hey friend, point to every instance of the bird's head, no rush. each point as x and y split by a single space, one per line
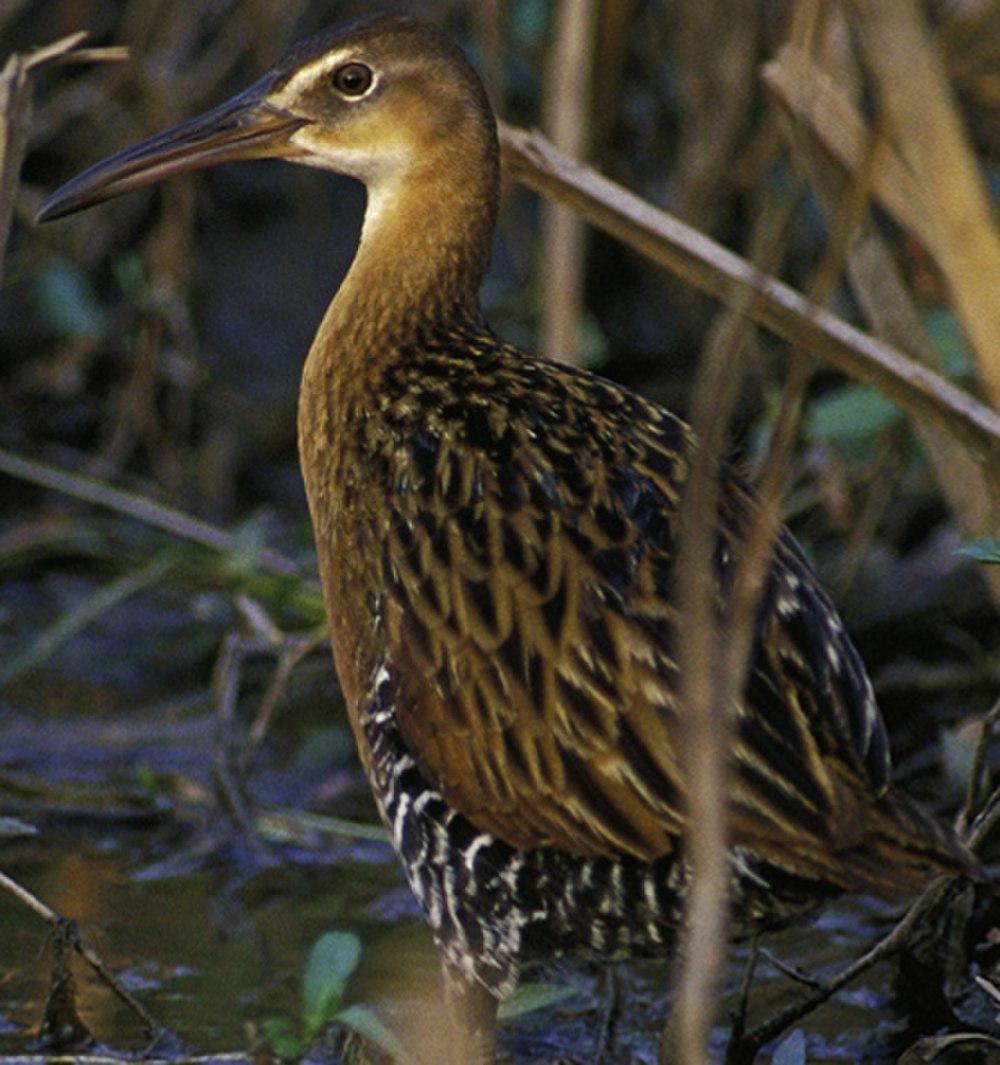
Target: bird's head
375 100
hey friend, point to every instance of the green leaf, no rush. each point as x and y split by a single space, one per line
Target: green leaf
593 346
146 778
283 825
530 997
853 412
282 1038
67 302
985 549
530 21
943 329
366 1022
333 959
131 276
792 1050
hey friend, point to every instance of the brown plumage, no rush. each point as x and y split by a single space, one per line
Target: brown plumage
496 542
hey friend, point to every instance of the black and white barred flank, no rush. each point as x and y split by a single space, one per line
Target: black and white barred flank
494 909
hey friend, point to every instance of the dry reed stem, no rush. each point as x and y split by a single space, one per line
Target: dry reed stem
705 716
829 135
847 201
847 214
566 111
16 112
979 772
712 673
664 239
929 135
687 1035
615 19
715 53
816 100
730 659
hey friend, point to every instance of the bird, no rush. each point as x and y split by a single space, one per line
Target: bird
496 538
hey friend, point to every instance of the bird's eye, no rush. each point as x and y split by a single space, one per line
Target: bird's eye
353 79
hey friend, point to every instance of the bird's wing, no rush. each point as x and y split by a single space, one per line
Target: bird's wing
528 606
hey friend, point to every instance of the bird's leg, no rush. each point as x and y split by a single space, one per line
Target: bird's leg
473 1014
610 1009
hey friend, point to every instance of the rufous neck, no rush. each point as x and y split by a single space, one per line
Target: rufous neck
423 251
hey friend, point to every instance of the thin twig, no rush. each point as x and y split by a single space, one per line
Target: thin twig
732 660
85 613
772 484
12 887
818 103
978 772
293 650
240 1056
984 822
114 53
935 895
794 974
154 1029
990 988
175 522
886 469
225 683
280 825
265 637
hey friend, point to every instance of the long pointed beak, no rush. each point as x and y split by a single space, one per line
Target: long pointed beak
245 127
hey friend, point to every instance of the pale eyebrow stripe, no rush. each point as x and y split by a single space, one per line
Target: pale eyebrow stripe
309 73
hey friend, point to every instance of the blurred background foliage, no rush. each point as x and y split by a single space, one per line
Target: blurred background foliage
155 344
